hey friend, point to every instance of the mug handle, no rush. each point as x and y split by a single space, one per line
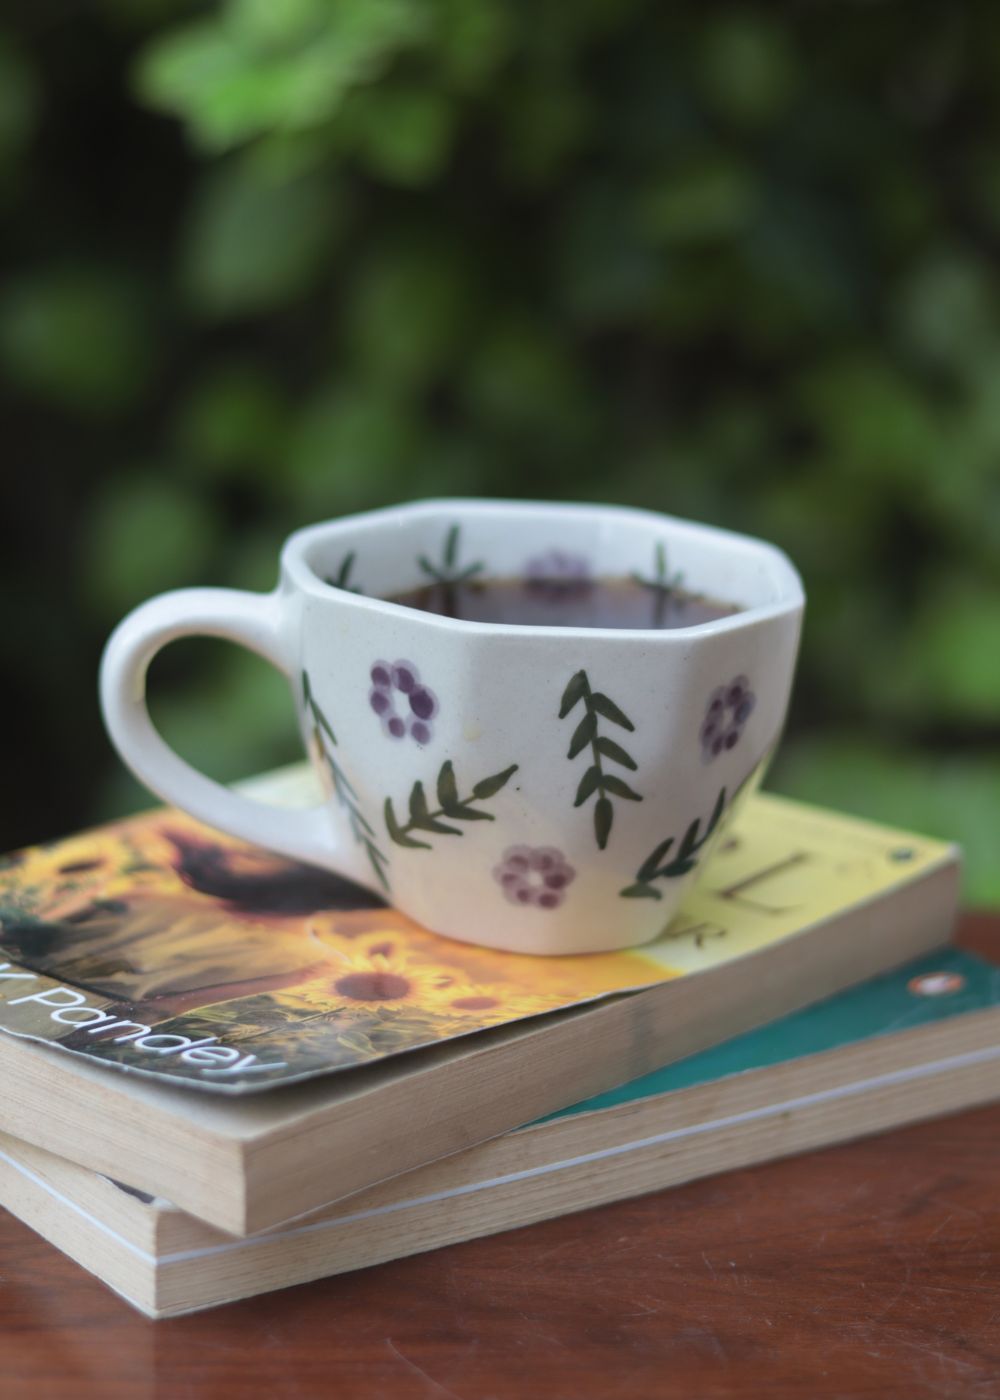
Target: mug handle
254 620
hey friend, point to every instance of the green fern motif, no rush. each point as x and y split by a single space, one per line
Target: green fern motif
447 573
342 578
681 862
663 585
450 805
596 781
361 829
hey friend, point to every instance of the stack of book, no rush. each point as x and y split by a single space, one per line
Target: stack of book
224 1073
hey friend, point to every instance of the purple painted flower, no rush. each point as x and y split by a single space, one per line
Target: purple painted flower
402 702
534 875
728 709
557 574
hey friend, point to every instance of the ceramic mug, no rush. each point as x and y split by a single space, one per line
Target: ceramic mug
538 789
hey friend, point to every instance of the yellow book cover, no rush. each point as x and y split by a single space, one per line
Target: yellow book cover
157 945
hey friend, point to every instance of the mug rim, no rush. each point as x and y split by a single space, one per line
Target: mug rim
788 585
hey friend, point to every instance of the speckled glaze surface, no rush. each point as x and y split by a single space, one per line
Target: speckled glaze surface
540 789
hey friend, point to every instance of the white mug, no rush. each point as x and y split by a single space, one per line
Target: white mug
538 789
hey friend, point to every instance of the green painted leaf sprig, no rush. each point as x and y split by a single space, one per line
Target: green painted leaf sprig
448 571
681 862
596 781
326 741
663 585
450 805
342 577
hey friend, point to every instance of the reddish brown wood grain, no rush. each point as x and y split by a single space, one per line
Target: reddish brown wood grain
866 1270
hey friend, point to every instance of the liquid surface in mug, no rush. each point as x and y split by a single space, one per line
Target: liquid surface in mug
566 602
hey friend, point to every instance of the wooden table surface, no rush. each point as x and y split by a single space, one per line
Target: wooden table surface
866 1270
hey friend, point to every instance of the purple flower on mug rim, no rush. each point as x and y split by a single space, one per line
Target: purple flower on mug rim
558 574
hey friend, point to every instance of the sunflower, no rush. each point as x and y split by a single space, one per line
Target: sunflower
107 865
373 977
66 879
493 1003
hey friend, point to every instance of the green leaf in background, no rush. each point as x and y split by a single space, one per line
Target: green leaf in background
746 67
711 199
20 102
350 449
253 242
255 67
946 310
403 135
602 264
876 422
141 537
410 310
77 336
233 422
250 558
472 38
544 126
523 381
953 653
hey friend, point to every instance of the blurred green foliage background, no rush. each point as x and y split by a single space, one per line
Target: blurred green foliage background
272 262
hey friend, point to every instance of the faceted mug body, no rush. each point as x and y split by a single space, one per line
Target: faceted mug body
537 789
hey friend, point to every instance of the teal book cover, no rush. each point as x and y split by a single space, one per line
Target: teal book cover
935 988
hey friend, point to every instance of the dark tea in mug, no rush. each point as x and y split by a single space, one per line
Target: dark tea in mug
561 600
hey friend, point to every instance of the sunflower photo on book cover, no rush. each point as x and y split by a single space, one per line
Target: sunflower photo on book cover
193 933
159 945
